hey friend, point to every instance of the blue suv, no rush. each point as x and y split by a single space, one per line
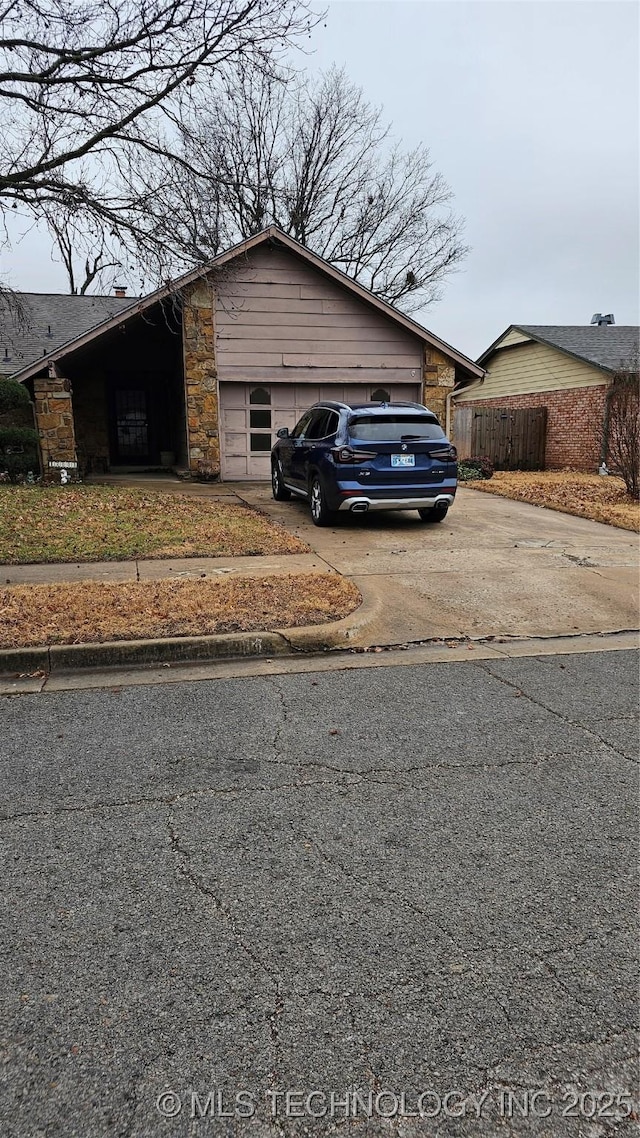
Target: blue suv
368 456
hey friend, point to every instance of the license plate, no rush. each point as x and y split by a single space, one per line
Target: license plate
403 459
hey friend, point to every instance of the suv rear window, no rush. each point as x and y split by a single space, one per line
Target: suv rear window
393 428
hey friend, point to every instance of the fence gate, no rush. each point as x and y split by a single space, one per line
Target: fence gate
513 440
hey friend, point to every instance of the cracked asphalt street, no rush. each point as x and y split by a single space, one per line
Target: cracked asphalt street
393 880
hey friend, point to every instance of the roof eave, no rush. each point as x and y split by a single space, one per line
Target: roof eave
526 331
272 233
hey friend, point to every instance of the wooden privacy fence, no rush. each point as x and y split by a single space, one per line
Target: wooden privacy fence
513 440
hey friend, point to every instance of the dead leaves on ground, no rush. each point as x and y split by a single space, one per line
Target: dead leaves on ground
103 523
602 499
93 612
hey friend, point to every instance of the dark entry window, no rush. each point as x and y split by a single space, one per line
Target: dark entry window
132 425
260 420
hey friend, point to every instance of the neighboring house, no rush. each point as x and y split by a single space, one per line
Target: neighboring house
567 370
200 374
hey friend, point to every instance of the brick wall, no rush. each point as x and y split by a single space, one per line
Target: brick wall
574 423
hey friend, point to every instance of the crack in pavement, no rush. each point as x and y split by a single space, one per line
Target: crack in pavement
576 994
467 953
220 907
484 666
355 777
167 800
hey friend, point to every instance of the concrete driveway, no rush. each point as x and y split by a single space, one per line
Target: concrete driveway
494 567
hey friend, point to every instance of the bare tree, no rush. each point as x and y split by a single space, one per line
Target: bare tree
89 88
622 426
86 249
316 159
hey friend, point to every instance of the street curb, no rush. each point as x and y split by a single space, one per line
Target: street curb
190 649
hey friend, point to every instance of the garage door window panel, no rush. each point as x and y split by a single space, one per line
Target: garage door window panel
260 443
260 420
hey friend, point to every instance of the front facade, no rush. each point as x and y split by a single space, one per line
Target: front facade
200 376
565 369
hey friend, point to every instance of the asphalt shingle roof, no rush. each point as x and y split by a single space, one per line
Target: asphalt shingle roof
44 321
608 346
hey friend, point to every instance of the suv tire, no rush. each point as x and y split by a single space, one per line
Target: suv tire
434 514
320 514
278 488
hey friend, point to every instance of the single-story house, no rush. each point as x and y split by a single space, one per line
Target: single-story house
565 369
201 373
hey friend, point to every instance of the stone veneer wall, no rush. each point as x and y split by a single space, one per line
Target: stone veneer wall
54 422
438 379
200 380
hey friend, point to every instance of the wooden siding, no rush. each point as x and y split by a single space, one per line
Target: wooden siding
530 368
279 320
515 336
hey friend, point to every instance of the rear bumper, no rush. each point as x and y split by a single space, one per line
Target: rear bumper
361 504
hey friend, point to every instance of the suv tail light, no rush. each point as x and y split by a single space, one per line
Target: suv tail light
445 454
349 455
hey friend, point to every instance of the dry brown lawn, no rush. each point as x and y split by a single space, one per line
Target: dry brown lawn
585 495
90 612
104 523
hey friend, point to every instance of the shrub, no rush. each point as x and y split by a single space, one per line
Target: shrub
13 395
473 469
467 472
19 452
487 469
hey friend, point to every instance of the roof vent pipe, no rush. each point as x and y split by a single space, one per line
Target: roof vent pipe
600 320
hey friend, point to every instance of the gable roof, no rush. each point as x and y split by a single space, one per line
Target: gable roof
45 321
272 234
605 346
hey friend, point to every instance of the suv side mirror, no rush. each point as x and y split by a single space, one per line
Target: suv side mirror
283 433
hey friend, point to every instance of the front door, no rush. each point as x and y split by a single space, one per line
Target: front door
132 426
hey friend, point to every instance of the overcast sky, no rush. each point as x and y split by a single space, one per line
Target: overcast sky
530 110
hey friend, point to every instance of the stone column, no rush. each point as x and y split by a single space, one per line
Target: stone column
438 379
200 380
54 423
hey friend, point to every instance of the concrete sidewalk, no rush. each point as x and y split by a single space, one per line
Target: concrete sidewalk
177 568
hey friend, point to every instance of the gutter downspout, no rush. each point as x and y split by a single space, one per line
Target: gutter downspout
447 410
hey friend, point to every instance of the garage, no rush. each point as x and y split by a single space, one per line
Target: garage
199 375
250 415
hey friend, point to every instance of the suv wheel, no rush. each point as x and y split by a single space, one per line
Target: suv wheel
320 515
278 488
434 514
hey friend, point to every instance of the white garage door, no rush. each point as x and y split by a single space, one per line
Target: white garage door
250 415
